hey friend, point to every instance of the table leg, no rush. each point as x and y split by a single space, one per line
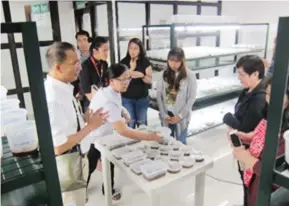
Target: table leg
200 189
106 180
154 198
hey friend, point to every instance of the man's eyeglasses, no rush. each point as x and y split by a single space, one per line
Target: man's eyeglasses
125 81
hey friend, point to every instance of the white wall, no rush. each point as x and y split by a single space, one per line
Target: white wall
258 12
67 26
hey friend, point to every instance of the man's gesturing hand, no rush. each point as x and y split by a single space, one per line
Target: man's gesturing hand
97 118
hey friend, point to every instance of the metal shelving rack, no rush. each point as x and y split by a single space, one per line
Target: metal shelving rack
174 40
209 100
20 172
175 4
272 172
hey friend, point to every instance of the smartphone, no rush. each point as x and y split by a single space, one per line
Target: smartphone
170 114
235 139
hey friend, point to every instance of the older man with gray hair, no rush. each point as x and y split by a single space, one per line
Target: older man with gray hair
67 124
66 120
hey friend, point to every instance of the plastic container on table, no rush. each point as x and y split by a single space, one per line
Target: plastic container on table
154 145
154 170
118 153
135 167
165 149
152 154
188 162
164 131
286 137
175 155
23 140
199 157
152 128
12 116
174 167
132 157
186 150
115 144
142 147
176 145
165 159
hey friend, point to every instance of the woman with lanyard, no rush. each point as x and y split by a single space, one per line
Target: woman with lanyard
176 94
136 99
91 75
109 98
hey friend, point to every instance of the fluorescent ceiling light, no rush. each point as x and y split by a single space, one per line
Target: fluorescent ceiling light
189 28
207 28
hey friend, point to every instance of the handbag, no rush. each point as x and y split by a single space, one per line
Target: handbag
72 168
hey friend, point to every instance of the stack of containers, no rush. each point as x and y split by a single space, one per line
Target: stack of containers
20 132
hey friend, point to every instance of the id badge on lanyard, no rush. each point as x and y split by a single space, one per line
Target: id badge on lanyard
100 74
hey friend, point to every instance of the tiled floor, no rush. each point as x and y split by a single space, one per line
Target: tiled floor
222 181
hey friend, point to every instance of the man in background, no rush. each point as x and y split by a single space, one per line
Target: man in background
83 42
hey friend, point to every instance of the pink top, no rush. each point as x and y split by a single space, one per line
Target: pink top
256 148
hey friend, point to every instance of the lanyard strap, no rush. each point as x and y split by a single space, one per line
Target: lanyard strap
96 68
103 82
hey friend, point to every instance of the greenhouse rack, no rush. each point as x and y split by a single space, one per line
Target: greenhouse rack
173 37
44 168
272 170
198 5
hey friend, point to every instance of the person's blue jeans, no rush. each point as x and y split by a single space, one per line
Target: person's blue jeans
137 109
182 137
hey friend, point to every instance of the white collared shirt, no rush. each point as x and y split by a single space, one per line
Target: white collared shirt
62 114
110 101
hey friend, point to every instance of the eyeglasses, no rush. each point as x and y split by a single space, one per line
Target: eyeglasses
125 81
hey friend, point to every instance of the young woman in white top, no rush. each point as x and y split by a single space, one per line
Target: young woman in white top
109 98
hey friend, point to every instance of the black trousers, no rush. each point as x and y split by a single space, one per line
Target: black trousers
93 156
245 189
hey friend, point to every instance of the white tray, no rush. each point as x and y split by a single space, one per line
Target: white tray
135 167
154 170
132 157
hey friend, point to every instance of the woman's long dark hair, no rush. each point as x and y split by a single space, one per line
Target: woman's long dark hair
142 52
169 75
285 118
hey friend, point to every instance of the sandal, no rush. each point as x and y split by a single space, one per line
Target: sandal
116 195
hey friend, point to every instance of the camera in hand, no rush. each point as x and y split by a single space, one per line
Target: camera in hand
235 139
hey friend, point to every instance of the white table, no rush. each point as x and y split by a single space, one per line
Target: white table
153 187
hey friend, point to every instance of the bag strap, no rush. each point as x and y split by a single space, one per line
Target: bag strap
78 125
